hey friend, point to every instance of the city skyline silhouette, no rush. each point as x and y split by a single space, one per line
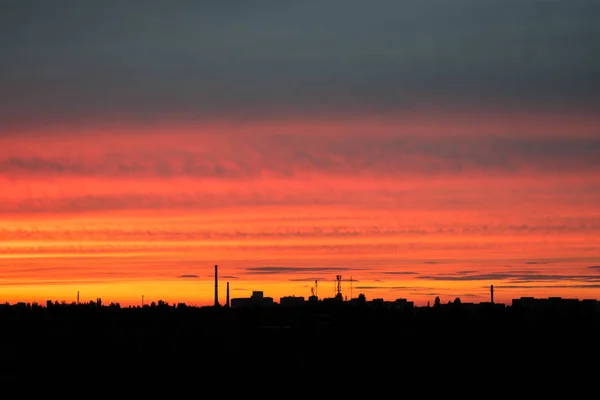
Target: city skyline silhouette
396 192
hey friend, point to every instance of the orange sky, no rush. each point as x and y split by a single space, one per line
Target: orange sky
410 206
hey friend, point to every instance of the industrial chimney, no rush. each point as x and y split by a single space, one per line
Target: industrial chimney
216 286
492 293
227 304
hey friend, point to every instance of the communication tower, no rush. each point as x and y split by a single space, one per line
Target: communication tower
338 287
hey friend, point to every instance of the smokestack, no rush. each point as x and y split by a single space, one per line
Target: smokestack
216 285
78 297
492 293
227 305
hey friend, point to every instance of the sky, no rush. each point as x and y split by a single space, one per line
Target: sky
416 148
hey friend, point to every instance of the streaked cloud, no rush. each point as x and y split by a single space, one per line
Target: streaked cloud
462 277
236 157
374 287
511 276
572 286
397 273
307 279
294 270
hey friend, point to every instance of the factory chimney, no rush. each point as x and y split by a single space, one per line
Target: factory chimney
216 286
492 293
227 304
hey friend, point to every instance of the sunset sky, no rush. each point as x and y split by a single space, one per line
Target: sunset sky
417 148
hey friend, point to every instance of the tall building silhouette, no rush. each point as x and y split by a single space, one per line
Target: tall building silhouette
216 286
227 299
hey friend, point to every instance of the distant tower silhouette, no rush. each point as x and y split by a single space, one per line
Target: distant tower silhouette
78 297
492 293
227 304
316 287
216 286
338 287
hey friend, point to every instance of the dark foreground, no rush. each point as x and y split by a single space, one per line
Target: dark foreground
349 345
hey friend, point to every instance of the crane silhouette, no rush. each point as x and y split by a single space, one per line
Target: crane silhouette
338 287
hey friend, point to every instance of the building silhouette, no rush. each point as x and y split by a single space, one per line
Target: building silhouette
257 299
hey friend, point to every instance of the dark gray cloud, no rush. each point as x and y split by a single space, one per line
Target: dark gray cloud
466 277
574 286
148 58
374 287
227 277
595 267
188 276
407 290
294 270
468 295
33 283
306 279
397 273
514 277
